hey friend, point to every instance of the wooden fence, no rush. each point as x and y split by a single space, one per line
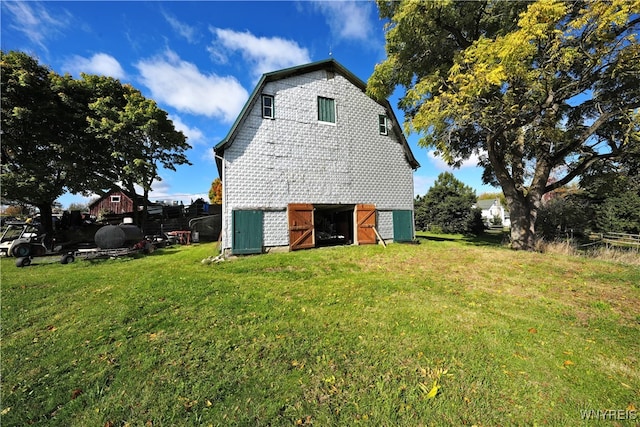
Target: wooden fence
617 239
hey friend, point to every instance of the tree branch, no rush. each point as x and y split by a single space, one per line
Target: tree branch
577 171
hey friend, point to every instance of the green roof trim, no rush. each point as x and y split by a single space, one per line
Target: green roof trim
327 64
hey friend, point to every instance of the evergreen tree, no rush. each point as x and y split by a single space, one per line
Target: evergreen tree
448 207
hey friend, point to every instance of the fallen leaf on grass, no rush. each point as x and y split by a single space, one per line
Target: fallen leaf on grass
533 331
75 393
429 394
155 335
568 363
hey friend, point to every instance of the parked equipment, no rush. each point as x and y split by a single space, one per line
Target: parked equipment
117 236
22 239
112 241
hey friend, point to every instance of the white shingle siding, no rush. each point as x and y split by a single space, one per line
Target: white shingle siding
276 229
296 159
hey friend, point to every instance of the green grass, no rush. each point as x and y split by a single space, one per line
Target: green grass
336 336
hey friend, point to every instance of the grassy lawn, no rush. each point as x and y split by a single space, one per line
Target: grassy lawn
336 336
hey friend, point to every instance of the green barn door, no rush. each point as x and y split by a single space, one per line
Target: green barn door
402 226
247 232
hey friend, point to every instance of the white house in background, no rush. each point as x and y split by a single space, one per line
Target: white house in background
493 210
312 160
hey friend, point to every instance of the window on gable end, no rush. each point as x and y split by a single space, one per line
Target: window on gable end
115 199
383 125
268 111
326 110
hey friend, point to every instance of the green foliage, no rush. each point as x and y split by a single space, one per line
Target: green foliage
140 136
607 200
447 207
564 216
44 147
558 86
619 214
62 134
613 193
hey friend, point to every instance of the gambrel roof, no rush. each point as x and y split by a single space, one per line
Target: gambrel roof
329 65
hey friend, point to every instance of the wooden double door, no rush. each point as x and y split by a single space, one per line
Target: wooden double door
303 233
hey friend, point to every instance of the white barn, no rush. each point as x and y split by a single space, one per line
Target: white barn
312 160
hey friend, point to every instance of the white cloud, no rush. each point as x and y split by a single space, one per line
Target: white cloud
440 164
161 190
35 22
194 135
348 20
265 54
101 64
182 86
421 184
184 30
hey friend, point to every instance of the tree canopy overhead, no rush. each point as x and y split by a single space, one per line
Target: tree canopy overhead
529 87
44 145
87 135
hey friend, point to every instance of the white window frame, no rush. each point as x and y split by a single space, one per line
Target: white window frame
383 124
271 107
115 199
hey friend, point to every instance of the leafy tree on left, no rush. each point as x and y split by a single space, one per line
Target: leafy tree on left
84 135
45 148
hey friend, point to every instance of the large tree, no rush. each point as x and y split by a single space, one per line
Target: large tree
140 136
61 134
44 146
557 87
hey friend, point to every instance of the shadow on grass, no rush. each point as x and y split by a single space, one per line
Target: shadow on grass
496 239
491 238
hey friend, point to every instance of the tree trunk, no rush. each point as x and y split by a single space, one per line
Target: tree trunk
524 202
523 221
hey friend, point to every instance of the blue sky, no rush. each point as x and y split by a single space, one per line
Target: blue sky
200 61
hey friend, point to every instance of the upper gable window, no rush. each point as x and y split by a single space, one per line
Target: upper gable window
326 110
268 111
383 125
115 199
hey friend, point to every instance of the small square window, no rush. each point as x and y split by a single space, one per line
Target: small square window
268 111
115 199
383 125
326 110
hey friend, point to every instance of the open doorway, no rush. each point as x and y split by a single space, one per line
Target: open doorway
334 225
311 226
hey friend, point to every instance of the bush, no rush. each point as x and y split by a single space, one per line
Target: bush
447 207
